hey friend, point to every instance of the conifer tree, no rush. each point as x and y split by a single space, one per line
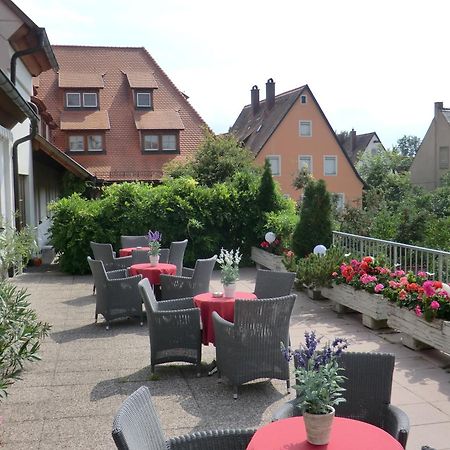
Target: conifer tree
267 198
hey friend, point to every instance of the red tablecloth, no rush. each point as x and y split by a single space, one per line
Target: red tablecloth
127 251
223 305
346 434
153 272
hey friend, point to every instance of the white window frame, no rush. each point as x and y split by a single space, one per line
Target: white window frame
303 96
94 149
157 141
310 162
341 195
138 94
67 100
96 100
171 149
75 150
325 157
278 157
309 122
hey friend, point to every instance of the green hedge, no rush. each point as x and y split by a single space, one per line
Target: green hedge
224 215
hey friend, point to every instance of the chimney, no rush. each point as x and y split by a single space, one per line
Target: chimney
270 93
255 99
352 140
438 106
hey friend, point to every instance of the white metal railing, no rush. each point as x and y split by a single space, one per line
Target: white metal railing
403 256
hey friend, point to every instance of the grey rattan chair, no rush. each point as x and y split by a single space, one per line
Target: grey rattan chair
117 293
139 257
191 282
368 387
273 284
176 254
250 348
164 255
426 447
133 241
137 427
174 329
105 253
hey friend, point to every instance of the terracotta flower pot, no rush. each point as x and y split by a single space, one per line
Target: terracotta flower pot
318 427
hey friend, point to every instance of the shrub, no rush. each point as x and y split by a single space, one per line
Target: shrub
314 226
20 334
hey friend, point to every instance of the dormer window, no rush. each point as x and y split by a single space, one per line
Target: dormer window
143 100
81 100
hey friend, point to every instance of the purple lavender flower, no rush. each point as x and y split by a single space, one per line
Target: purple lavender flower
154 236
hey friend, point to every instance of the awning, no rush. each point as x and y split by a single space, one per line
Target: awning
141 80
13 107
158 120
80 80
40 143
85 120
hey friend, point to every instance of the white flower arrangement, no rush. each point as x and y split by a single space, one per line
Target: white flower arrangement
229 263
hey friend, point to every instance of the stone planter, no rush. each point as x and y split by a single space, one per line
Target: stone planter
266 260
417 332
373 307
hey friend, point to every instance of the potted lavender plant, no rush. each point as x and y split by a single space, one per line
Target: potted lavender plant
154 243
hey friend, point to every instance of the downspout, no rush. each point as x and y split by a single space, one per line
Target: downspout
15 161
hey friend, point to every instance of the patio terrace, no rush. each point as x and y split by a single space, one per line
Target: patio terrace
68 400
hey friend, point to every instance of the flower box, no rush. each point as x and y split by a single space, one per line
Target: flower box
373 307
267 260
418 331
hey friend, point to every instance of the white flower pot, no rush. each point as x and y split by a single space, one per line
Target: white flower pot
318 427
229 290
154 260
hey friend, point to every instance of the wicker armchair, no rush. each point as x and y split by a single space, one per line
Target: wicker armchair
137 427
105 253
368 387
174 329
191 282
133 241
117 293
176 254
250 348
139 257
271 284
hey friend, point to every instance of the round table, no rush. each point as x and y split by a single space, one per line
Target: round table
346 434
129 250
224 307
153 272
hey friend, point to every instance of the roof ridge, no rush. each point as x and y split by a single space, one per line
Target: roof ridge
291 91
99 46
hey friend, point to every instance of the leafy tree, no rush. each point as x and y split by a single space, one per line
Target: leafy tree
314 226
267 198
217 160
408 145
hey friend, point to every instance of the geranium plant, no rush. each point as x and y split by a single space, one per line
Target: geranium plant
229 265
154 242
318 376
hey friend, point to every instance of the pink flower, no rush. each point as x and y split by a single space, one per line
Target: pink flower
403 281
402 294
399 273
422 275
434 305
366 279
393 284
418 311
378 288
334 274
428 288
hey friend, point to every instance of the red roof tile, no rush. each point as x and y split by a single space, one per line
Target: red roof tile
85 120
141 80
158 120
68 79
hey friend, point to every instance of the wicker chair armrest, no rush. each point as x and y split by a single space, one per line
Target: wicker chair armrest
187 272
124 261
397 424
212 440
223 329
285 411
131 281
179 303
164 318
164 255
174 286
115 274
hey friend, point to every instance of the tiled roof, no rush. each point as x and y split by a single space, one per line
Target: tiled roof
158 120
85 120
255 130
123 158
141 80
67 79
361 143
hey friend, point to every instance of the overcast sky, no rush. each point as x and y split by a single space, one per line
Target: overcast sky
372 66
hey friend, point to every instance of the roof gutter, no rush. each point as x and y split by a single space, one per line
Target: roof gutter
44 44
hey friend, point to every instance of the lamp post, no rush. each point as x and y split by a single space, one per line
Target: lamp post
270 237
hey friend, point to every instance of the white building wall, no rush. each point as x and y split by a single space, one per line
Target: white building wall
6 185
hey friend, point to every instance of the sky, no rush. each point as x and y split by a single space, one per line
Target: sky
372 66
